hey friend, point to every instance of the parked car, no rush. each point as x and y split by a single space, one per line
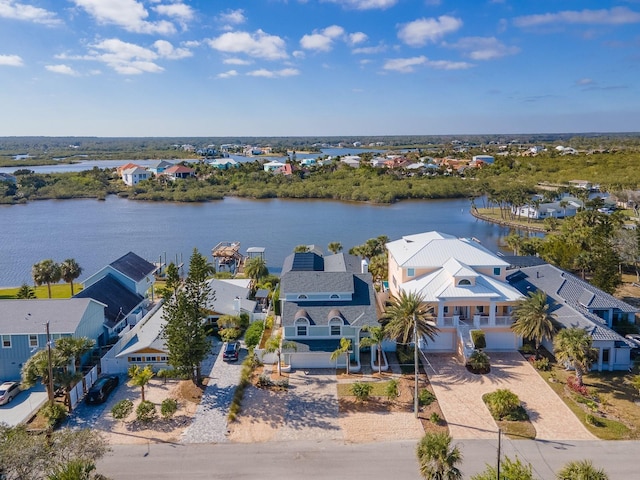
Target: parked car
231 352
8 391
634 337
99 391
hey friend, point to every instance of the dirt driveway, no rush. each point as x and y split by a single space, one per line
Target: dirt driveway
460 393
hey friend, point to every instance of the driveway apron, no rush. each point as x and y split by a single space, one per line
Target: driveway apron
459 393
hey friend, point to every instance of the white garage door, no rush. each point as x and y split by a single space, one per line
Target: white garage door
312 360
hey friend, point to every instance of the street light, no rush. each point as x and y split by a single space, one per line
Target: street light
50 366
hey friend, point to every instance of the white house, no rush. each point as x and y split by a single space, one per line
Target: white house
133 176
273 165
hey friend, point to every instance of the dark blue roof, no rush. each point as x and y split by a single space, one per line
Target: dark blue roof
303 262
120 301
133 266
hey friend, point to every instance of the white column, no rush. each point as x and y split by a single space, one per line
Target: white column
492 313
440 319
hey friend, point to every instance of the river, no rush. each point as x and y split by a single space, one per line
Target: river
96 232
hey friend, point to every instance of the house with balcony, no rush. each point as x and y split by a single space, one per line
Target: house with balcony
576 303
324 299
463 283
134 175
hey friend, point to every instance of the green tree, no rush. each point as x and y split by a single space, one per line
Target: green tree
276 345
574 347
379 267
533 320
46 272
437 459
172 279
199 268
509 470
70 271
256 269
375 338
409 319
581 470
343 349
140 377
26 292
74 348
37 369
334 247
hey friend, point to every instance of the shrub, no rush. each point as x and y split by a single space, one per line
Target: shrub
405 358
392 390
230 334
501 403
146 412
54 413
435 418
479 361
593 420
572 383
264 381
542 364
478 339
425 397
528 348
361 390
269 322
122 409
252 335
168 407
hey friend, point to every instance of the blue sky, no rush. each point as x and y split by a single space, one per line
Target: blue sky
318 67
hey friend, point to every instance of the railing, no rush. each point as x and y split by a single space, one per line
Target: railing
464 334
503 321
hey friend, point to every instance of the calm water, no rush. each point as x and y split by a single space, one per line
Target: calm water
97 232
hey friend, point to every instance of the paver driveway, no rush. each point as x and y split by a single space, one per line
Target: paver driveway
460 393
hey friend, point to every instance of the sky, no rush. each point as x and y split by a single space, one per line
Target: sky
318 67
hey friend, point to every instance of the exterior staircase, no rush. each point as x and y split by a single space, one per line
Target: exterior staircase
464 337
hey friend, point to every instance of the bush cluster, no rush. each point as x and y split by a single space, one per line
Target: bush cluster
541 364
361 390
146 412
503 404
425 397
253 333
122 409
574 385
264 381
168 407
245 381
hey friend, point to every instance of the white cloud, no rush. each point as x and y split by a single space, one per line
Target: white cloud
236 61
128 14
357 37
448 65
369 50
404 65
166 50
181 12
10 61
19 11
322 40
298 54
229 74
263 72
62 69
583 82
613 16
232 17
424 30
125 58
483 48
258 45
365 4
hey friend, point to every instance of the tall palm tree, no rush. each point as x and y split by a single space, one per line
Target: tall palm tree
334 247
437 459
409 319
46 271
581 470
343 349
276 345
256 268
70 271
74 348
37 368
376 337
574 346
534 321
140 376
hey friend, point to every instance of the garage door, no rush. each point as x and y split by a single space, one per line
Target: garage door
312 360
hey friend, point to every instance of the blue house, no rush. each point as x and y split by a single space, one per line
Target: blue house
23 328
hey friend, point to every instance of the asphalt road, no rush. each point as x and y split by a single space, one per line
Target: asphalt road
330 459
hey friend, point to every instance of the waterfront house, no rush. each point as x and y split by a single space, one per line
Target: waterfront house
566 207
478 160
576 303
126 166
134 175
224 163
23 328
463 282
231 297
324 299
159 167
351 160
179 171
273 165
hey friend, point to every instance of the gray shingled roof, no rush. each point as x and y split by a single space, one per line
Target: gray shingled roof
120 301
24 317
133 266
319 282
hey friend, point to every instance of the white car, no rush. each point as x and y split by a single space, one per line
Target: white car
8 390
634 337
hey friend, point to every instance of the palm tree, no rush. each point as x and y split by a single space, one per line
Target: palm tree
140 376
334 247
408 320
275 345
256 268
437 459
343 349
69 271
37 368
46 271
377 336
75 348
574 346
581 470
301 249
533 320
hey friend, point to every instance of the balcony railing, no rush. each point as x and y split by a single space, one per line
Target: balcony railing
477 321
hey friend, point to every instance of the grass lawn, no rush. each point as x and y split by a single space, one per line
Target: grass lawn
379 389
58 290
611 403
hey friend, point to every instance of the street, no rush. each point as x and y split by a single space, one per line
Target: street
329 459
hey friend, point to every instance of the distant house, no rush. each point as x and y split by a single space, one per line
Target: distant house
224 163
576 303
307 162
482 159
23 328
582 184
159 167
273 165
133 176
324 299
126 166
567 207
351 160
179 171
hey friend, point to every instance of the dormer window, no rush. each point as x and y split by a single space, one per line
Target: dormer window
335 326
302 325
335 296
464 282
302 297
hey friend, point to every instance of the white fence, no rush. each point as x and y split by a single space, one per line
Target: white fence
83 386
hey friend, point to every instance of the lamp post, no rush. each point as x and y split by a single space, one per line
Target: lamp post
50 365
415 365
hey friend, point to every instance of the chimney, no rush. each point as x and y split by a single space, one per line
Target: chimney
364 266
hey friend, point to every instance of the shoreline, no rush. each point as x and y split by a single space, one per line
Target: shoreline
507 223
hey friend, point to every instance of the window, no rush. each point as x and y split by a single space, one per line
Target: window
335 330
334 296
302 297
464 281
411 272
605 355
33 341
301 330
6 341
496 271
446 310
335 326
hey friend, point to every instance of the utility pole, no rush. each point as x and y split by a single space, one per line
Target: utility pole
415 366
50 365
498 469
